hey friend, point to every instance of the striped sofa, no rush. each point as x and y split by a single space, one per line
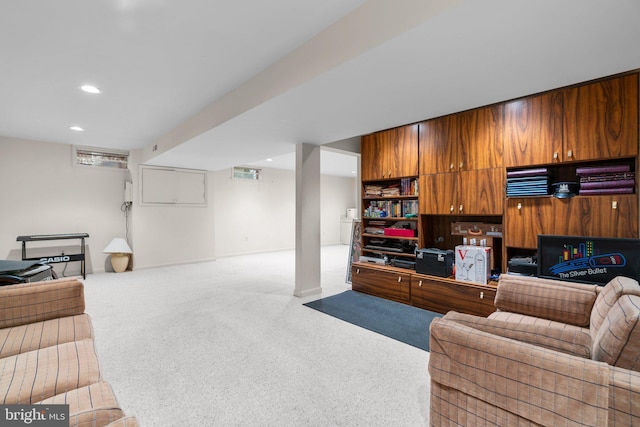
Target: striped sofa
47 353
553 354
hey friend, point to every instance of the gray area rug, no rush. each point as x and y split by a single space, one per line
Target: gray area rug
401 322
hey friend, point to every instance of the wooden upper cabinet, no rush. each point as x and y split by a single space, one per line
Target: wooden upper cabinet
390 153
590 122
402 158
479 138
533 130
438 152
464 141
371 164
601 120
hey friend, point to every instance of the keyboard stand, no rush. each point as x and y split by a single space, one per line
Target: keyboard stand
55 259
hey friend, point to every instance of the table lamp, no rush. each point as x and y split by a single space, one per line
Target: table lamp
119 251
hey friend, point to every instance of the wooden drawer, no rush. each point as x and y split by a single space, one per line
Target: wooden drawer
443 295
383 282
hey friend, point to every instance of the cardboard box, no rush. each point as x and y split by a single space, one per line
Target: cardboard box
473 263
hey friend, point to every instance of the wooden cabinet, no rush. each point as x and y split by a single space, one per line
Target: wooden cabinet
601 120
479 137
464 141
371 156
442 295
439 194
481 192
391 153
525 218
533 130
596 216
461 162
475 192
594 121
438 150
385 282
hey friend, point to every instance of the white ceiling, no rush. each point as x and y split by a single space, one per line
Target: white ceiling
218 83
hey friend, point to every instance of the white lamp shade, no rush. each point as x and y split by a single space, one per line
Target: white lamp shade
117 246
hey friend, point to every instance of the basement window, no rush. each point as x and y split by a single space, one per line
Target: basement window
246 173
101 158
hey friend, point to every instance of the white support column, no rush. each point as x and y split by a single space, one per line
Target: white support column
307 220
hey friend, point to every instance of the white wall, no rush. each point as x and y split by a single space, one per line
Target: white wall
259 216
337 195
43 193
164 235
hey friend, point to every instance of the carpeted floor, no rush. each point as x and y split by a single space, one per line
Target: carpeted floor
226 343
401 322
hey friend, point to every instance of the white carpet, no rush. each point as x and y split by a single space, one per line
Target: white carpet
226 343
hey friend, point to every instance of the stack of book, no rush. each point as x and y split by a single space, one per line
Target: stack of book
371 190
528 182
391 190
617 179
409 186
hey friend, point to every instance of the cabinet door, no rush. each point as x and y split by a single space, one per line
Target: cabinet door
442 296
372 158
439 194
481 192
525 218
384 284
402 152
597 216
533 130
601 120
438 149
479 138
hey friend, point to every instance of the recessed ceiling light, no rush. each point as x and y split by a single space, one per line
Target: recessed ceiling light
353 171
76 128
90 89
269 160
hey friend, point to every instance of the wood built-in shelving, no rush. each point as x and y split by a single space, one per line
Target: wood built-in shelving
460 163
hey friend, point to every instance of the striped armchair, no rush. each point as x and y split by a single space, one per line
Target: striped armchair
47 354
553 354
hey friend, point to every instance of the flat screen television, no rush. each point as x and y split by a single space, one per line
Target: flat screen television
587 259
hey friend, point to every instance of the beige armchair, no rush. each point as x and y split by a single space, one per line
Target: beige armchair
553 354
